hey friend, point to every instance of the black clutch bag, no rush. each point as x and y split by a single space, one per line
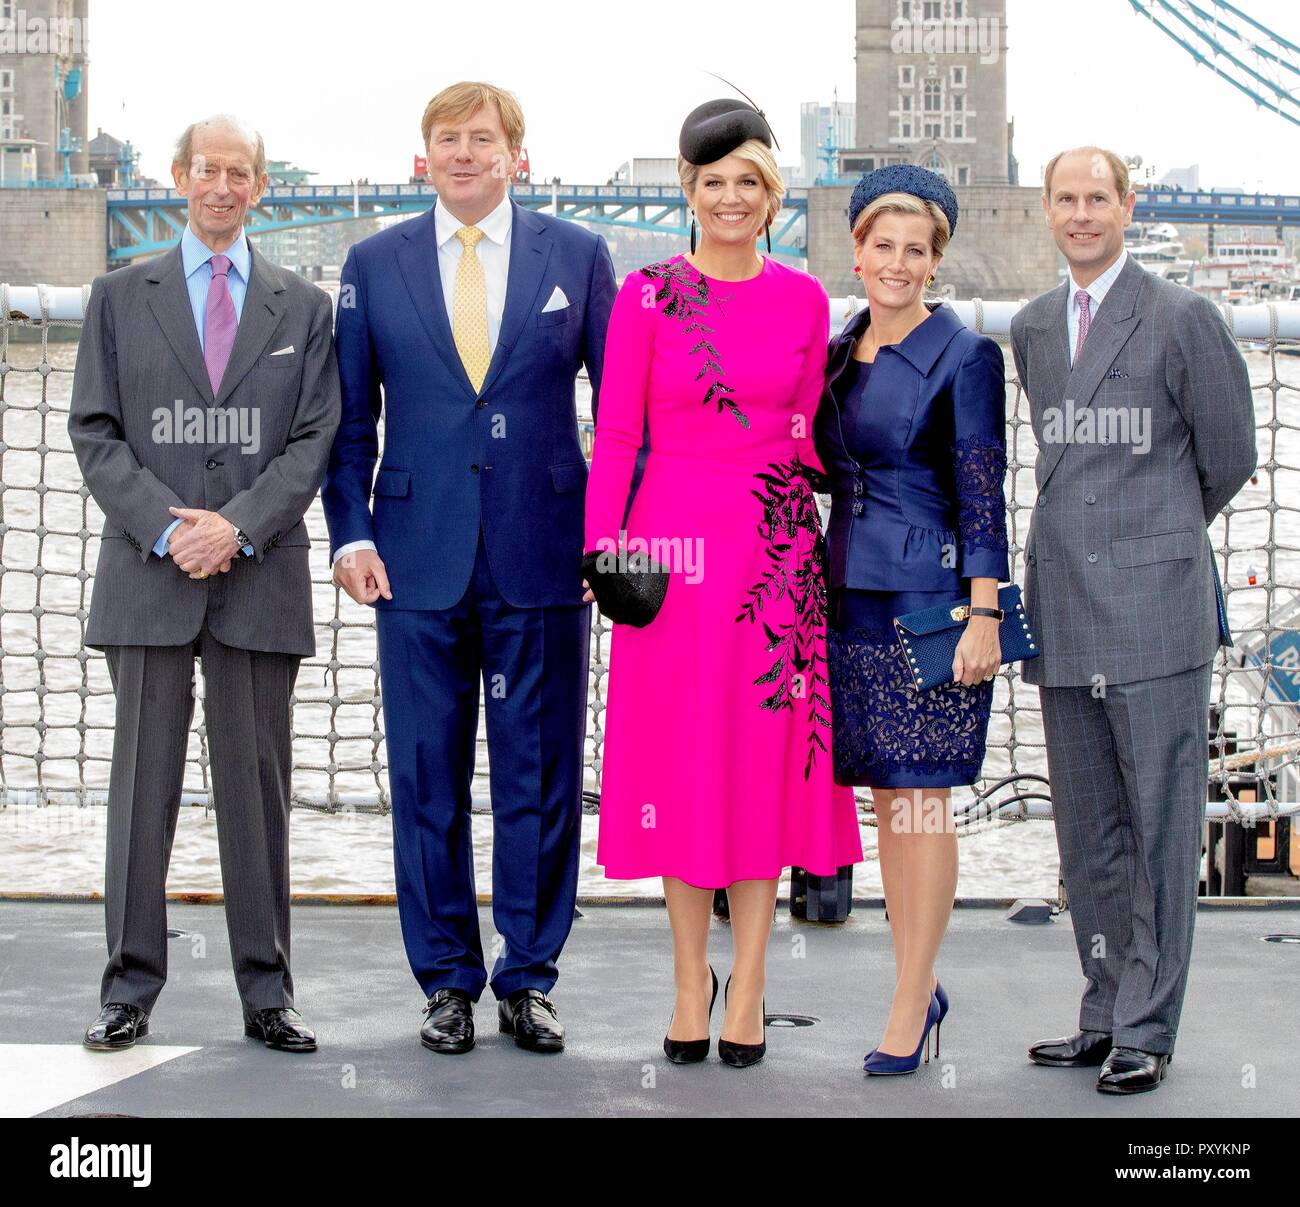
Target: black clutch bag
629 587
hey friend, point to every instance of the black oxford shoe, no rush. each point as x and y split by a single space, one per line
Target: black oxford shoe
118 1026
1083 1049
1132 1071
449 1022
281 1029
530 1016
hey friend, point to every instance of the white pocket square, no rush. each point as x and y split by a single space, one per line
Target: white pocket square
284 351
557 301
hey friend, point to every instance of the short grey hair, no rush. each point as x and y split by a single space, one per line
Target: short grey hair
184 151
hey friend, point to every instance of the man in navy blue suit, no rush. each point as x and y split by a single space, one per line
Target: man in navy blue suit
474 318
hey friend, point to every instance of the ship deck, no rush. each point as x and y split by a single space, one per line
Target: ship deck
1010 984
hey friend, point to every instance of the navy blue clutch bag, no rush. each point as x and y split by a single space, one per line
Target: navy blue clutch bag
929 638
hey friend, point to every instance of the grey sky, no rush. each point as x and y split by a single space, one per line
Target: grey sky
339 87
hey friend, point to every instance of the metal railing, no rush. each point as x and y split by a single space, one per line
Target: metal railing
56 714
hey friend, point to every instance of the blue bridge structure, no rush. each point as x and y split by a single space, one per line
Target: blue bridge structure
144 222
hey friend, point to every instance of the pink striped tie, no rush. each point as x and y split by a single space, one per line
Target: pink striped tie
219 322
1083 301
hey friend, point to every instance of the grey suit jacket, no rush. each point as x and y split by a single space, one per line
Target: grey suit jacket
1118 576
139 367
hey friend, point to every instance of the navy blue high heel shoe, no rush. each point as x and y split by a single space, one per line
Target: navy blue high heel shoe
942 998
883 1064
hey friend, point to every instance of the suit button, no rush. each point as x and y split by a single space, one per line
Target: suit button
1089 499
1031 558
473 469
1092 557
480 404
212 463
1042 500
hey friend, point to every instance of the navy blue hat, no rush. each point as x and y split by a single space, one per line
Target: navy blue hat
716 128
904 178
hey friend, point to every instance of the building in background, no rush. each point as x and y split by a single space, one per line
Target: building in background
115 164
819 123
932 89
44 57
1188 179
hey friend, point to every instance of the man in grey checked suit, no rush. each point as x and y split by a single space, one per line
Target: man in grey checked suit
1141 405
204 404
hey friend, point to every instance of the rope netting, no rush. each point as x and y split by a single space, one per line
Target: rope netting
56 699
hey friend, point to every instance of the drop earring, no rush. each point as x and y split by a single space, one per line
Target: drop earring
692 233
768 227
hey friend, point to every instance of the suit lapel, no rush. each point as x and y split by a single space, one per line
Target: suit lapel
1112 325
170 302
263 309
530 250
418 261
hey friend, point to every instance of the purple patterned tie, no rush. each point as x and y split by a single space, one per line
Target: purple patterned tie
219 322
1083 300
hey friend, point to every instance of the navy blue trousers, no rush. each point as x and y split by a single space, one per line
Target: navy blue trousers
533 664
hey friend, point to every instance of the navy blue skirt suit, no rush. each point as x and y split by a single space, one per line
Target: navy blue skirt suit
914 446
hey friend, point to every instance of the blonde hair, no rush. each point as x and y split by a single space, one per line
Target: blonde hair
183 154
753 151
905 203
459 102
1118 168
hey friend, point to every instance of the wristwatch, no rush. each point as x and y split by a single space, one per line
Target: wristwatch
993 613
242 538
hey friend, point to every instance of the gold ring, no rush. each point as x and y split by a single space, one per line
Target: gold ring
203 575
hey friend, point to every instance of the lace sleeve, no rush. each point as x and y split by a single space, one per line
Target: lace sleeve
981 466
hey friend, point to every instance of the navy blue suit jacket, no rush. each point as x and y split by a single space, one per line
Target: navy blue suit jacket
916 463
507 457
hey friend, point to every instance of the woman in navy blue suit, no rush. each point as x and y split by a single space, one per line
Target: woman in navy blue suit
911 431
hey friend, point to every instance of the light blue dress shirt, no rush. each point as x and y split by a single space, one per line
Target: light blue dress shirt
1096 292
196 259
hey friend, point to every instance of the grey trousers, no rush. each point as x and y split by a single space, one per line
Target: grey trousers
1128 777
246 713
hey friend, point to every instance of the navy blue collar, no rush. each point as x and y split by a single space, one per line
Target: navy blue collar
921 348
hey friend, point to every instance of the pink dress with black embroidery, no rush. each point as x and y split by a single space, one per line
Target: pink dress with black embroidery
716 760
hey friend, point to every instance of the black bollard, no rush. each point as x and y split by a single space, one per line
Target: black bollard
821 898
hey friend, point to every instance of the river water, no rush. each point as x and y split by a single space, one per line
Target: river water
47 692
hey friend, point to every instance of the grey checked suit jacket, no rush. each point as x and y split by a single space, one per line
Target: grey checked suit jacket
1118 576
139 355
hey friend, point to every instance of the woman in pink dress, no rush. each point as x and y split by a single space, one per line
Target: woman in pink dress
717 767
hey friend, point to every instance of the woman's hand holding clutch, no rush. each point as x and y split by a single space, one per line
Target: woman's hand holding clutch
979 652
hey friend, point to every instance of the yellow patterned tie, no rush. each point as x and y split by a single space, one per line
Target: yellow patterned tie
469 321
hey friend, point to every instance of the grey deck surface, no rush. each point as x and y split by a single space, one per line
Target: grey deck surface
1010 984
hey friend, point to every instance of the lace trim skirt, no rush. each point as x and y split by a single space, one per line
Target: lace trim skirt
884 732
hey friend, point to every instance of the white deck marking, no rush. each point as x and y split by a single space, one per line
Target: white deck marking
39 1077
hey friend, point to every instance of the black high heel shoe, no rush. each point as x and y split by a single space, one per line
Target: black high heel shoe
740 1056
691 1051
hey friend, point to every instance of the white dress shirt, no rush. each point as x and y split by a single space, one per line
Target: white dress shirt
493 253
1097 292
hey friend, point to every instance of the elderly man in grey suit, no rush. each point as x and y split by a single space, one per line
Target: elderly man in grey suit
1141 405
204 404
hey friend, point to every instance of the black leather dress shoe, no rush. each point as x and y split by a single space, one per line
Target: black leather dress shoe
119 1025
1083 1049
281 1029
530 1016
449 1022
1132 1071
